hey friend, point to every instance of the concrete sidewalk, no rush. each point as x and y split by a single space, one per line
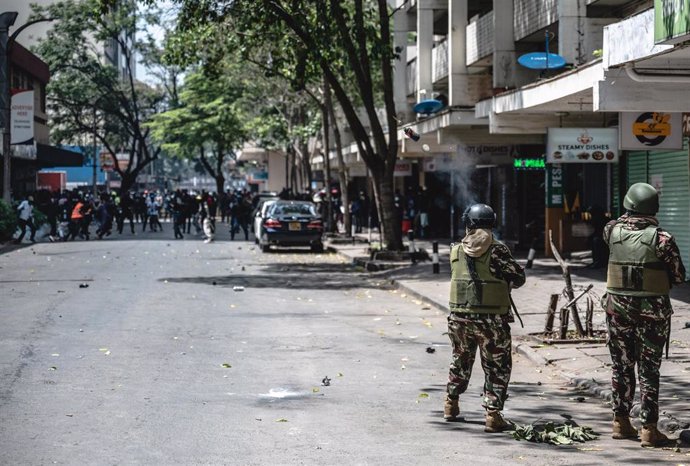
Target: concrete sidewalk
585 364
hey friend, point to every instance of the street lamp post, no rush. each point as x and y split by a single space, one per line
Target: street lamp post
6 20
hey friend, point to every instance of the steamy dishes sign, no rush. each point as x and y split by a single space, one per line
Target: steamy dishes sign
582 145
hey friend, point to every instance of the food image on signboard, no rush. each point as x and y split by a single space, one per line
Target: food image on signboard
557 155
598 155
610 155
583 155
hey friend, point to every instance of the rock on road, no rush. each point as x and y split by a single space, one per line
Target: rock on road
192 353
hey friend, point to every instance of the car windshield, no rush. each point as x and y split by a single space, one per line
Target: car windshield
293 209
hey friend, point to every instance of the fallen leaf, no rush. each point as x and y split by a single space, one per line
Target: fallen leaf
52 368
423 395
340 374
226 365
282 419
315 390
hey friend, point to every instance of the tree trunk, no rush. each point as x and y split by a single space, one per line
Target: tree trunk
220 179
389 219
343 177
128 179
326 149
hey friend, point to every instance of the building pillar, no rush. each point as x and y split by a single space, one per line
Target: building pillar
458 82
400 31
425 43
505 62
571 30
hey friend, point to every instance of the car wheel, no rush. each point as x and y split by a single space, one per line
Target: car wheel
265 247
318 247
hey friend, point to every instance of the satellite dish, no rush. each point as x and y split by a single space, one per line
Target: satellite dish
542 61
428 106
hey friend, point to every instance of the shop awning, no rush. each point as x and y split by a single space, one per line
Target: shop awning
51 156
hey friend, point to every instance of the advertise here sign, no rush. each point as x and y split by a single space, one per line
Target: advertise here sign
651 130
582 145
22 117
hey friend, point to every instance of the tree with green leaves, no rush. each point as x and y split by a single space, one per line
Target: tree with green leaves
209 122
349 43
88 95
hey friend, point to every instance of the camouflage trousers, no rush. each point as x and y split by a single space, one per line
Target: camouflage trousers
491 334
637 329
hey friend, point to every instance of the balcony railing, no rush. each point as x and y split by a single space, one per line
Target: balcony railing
480 38
439 61
533 15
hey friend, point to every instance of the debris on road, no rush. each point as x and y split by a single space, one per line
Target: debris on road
237 288
226 365
555 434
326 381
83 285
282 419
430 350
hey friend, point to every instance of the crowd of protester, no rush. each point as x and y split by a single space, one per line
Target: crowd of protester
80 215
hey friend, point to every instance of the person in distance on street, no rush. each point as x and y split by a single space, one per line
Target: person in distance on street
644 263
482 272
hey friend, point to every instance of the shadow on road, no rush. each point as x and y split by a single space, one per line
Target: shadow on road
324 276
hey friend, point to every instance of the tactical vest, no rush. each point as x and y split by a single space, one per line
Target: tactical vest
634 268
484 294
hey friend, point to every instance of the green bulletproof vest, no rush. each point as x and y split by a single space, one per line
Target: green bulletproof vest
484 295
634 268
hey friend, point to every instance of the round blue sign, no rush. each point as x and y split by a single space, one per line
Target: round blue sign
428 106
542 61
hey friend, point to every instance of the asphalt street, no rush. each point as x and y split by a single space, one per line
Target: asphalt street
147 350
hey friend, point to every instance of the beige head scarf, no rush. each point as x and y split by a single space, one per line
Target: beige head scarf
476 242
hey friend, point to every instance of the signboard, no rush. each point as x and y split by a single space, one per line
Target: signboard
671 21
686 124
554 185
529 164
22 118
651 130
582 145
106 161
403 169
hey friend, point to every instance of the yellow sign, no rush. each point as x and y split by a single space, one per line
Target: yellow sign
651 125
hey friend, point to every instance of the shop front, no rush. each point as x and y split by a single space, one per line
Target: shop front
581 164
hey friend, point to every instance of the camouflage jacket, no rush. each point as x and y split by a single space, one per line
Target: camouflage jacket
502 265
666 248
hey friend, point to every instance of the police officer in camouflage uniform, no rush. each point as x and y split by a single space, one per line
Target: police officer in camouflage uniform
644 263
482 273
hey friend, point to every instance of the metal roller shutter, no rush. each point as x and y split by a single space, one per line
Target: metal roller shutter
672 172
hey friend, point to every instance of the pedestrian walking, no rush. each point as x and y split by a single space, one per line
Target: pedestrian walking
482 274
25 211
644 263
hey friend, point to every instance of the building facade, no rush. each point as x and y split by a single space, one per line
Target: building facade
619 68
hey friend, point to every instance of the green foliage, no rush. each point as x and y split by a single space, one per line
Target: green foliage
8 221
39 219
86 94
555 434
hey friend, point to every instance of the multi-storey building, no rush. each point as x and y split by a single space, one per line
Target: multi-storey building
625 77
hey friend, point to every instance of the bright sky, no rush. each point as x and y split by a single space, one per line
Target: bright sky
158 33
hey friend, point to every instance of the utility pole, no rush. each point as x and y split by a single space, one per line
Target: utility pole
7 19
95 155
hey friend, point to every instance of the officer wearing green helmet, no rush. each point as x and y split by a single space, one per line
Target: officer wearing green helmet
644 262
482 273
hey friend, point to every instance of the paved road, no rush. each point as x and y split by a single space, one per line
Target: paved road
160 361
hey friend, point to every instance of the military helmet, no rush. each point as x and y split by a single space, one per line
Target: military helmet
642 198
479 216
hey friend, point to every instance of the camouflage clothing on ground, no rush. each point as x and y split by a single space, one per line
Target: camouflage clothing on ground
488 332
638 328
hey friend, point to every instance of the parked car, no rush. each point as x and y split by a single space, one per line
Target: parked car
292 223
259 216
